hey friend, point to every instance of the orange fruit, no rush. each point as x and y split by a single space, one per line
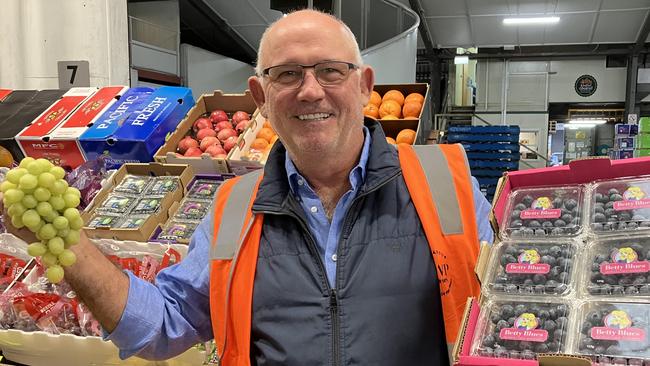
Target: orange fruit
395 95
411 109
267 124
371 110
390 107
375 99
391 141
266 134
274 139
389 116
259 144
410 118
414 97
406 136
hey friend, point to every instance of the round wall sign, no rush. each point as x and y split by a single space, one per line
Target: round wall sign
586 85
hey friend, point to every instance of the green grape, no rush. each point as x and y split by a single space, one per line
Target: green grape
46 180
76 223
48 259
26 161
14 196
27 191
47 232
36 249
42 194
45 164
7 185
71 213
55 245
54 274
35 168
17 222
63 232
67 258
31 218
58 172
44 208
73 190
71 200
28 181
60 223
72 238
51 217
17 209
29 201
57 203
14 175
59 186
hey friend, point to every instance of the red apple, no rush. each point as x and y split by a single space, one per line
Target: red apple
205 133
201 123
215 150
193 151
217 116
241 126
186 143
226 133
230 143
239 116
209 140
222 126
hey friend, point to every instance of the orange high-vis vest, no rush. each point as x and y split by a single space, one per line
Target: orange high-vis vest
452 237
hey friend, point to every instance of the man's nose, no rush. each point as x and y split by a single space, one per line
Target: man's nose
310 90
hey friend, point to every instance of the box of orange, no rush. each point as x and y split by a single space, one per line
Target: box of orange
253 146
402 107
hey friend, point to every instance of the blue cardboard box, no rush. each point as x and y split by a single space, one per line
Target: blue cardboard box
139 129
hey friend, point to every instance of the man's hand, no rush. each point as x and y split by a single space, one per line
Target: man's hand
23 233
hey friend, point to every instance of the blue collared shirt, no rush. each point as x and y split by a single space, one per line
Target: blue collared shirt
164 320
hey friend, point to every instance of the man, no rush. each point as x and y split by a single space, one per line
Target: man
341 269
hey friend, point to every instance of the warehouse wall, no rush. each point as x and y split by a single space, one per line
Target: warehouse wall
203 70
610 87
38 33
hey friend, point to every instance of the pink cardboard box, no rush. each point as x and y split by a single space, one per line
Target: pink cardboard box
576 172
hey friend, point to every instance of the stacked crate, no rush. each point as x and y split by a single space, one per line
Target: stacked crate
491 151
625 141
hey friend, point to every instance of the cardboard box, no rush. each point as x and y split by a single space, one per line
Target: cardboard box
621 154
644 125
94 141
205 104
240 159
17 110
626 129
34 140
422 126
641 153
143 132
579 171
143 233
624 142
4 93
63 145
643 141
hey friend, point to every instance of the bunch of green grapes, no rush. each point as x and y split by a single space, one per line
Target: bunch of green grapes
37 197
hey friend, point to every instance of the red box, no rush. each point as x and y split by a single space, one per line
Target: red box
34 140
4 93
576 172
67 134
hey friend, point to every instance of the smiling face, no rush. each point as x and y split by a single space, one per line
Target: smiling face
312 118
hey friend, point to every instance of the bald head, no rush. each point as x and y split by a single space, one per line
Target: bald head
305 23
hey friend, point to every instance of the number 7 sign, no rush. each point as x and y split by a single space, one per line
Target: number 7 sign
73 74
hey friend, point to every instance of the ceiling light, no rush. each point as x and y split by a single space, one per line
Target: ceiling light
461 60
524 21
588 121
575 126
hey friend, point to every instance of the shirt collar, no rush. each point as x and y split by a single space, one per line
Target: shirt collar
357 174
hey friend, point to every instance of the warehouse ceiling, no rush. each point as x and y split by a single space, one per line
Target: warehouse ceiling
478 23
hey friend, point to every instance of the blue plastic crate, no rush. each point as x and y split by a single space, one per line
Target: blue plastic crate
481 164
493 155
462 137
490 147
513 130
487 173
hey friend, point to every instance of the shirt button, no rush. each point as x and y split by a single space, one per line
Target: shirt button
334 257
314 209
300 182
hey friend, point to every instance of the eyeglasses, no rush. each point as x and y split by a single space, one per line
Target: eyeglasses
290 76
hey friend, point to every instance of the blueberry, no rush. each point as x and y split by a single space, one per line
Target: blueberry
528 282
486 352
527 200
595 267
539 279
540 289
558 335
549 325
515 214
599 350
543 314
599 217
528 355
541 348
599 209
525 346
618 290
514 354
557 202
609 206
501 353
534 224
595 317
600 197
507 311
631 290
600 258
553 347
495 317
555 251
561 322
502 324
557 231
586 343
547 224
527 231
597 226
586 327
571 204
540 232
632 226
613 191
547 259
510 249
489 341
563 277
615 197
613 350
511 321
521 206
622 226
625 216
520 309
559 223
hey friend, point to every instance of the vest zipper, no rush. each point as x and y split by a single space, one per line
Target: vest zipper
334 311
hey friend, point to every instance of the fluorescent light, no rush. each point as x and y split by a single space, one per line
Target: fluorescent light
575 126
588 121
461 60
524 21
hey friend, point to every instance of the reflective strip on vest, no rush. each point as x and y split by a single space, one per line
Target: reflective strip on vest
228 241
441 186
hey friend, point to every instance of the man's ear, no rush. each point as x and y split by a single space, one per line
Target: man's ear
257 91
366 82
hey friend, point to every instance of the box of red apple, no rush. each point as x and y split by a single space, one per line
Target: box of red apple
209 132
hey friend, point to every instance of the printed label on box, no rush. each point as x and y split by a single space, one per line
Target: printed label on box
541 208
618 327
624 260
528 262
634 197
525 329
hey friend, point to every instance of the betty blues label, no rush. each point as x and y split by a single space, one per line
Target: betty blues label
624 260
525 329
528 262
541 208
